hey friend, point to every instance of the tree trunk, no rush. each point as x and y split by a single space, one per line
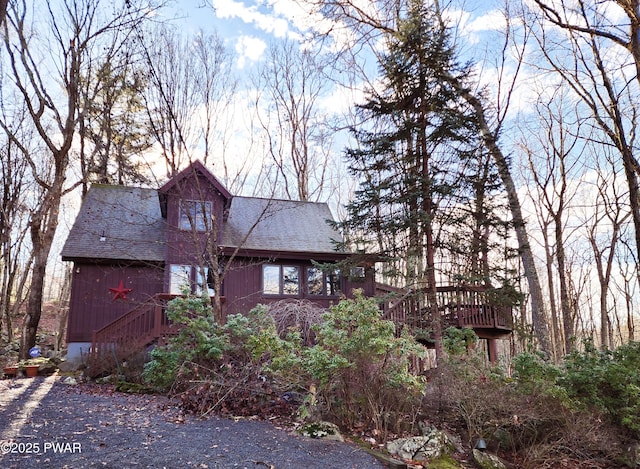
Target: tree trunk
538 315
565 306
43 227
555 325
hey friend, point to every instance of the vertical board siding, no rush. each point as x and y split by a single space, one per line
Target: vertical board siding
92 304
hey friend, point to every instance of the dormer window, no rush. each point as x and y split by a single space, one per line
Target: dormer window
195 215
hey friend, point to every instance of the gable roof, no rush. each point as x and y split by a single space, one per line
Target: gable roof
131 221
118 222
189 172
280 226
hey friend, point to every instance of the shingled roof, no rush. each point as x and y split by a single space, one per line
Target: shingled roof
126 223
279 225
117 222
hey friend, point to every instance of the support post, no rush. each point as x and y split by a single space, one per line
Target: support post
492 346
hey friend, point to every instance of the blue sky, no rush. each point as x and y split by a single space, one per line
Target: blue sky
248 26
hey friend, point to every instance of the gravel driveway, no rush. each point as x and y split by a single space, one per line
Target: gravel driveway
45 423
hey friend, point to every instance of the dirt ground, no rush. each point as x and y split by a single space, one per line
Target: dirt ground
45 423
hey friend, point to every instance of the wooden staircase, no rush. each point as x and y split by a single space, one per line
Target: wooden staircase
144 325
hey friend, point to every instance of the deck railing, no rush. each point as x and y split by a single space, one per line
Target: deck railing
132 331
459 306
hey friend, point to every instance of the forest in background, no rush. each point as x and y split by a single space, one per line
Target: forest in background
503 155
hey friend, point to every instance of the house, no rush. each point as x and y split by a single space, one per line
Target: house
134 248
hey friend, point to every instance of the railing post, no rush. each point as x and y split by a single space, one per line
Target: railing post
94 345
157 320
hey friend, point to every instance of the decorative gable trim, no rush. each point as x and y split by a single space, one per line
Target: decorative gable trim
195 169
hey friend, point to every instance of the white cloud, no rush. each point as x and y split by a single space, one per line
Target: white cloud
228 9
282 18
249 48
490 21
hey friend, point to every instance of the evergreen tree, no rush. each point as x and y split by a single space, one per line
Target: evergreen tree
418 160
112 126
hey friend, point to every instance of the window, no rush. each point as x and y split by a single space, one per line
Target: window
271 279
183 276
323 283
206 282
315 281
357 273
195 215
290 280
332 283
180 278
280 280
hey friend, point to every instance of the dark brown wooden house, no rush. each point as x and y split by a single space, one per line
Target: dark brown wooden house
134 248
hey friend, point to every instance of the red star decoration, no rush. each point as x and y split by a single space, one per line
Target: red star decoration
120 291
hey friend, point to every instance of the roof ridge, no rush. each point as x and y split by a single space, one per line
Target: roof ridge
279 200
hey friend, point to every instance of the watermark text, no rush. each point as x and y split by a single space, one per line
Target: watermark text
45 447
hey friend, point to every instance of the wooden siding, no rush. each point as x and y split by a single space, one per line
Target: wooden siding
185 247
243 286
92 305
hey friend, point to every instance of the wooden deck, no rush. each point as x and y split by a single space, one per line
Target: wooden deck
459 306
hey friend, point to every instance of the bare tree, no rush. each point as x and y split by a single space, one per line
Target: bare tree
299 133
629 287
553 162
189 98
204 229
609 216
14 257
39 66
599 58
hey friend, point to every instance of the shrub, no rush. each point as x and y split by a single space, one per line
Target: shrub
199 338
360 368
607 380
534 375
235 368
298 315
456 341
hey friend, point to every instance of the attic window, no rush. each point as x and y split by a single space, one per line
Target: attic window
195 215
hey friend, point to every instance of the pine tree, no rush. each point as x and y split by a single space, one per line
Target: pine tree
409 157
113 127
